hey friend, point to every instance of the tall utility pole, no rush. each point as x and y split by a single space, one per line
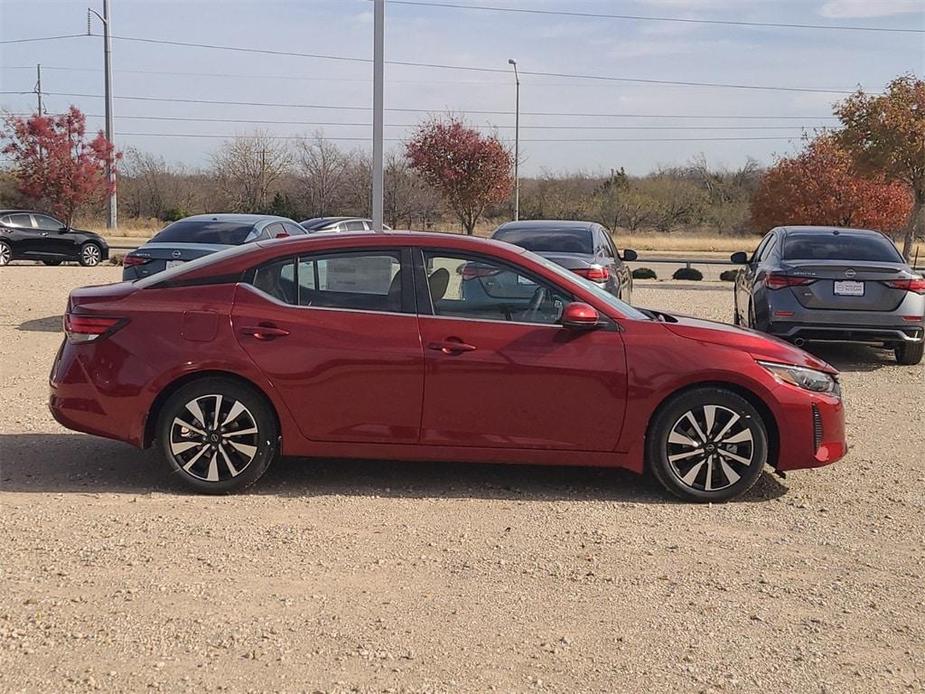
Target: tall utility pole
112 216
38 87
513 62
378 105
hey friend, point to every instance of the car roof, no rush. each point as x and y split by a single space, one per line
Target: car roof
235 217
822 230
546 225
22 212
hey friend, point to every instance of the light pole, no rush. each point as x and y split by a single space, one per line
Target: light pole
112 216
513 63
378 71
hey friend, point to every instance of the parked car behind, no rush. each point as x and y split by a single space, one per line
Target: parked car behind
336 224
834 285
585 248
31 235
199 235
368 346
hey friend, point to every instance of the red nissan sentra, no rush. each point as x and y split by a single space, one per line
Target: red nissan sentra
414 346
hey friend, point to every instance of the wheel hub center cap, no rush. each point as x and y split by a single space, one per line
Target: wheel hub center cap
710 448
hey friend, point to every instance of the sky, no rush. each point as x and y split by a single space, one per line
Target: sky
625 124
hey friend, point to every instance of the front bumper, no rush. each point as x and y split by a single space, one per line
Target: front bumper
811 429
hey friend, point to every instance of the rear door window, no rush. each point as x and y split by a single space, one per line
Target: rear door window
23 221
355 225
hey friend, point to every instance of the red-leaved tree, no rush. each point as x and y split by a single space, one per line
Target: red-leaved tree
55 165
471 170
820 186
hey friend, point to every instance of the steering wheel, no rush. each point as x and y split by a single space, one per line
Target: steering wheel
536 301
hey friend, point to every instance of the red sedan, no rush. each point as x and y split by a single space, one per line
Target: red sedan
414 346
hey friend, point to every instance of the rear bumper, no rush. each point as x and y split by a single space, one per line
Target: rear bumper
827 332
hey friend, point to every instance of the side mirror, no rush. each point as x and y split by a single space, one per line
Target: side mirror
739 258
629 254
63 229
580 316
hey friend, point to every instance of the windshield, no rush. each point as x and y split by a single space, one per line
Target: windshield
605 296
559 240
840 247
204 231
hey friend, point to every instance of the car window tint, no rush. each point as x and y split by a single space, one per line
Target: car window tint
479 288
756 256
272 231
20 220
840 247
553 240
358 281
355 225
204 231
609 250
293 229
46 223
768 250
278 280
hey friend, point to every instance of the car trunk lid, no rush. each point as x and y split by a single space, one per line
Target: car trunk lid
845 285
157 257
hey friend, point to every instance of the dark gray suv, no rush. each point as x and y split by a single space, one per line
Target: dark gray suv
835 285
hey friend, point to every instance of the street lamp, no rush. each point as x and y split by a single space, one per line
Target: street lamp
111 205
513 63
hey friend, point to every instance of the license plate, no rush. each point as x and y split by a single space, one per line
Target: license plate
174 263
849 288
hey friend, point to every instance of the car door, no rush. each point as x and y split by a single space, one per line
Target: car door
55 238
745 280
337 335
24 238
500 372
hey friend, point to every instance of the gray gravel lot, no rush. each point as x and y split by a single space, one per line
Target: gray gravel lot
372 576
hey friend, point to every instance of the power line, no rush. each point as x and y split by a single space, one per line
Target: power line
250 121
223 102
42 38
641 18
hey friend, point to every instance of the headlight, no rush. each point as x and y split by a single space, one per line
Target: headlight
808 379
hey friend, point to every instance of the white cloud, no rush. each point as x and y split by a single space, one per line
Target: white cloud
869 8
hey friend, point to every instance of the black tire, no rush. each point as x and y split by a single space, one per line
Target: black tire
51 263
673 463
909 353
90 254
6 253
225 456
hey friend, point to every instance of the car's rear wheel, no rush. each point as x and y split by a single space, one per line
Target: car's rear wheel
218 436
52 263
707 444
909 353
90 254
6 253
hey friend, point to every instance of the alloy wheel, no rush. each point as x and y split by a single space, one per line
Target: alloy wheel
710 447
90 255
215 438
6 254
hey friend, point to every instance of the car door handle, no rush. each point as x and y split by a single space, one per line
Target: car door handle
264 332
452 346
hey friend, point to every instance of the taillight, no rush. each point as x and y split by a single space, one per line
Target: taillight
133 260
80 328
595 273
471 271
777 281
917 285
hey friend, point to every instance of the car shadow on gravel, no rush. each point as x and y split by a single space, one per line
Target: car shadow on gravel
852 357
49 324
72 463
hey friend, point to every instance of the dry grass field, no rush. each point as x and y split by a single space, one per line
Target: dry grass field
347 576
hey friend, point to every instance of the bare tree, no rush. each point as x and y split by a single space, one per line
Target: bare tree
322 170
247 169
407 197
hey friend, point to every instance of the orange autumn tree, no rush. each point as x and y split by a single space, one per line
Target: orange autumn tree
885 134
820 186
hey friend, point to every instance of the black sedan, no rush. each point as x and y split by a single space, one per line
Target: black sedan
585 248
29 235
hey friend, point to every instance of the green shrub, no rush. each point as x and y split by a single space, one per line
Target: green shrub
644 273
687 273
175 213
728 275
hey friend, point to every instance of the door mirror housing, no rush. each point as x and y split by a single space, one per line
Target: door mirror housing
64 228
580 316
739 258
629 254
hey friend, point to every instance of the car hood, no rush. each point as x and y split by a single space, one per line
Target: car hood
757 344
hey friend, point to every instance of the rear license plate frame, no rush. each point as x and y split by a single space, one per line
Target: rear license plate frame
850 288
174 263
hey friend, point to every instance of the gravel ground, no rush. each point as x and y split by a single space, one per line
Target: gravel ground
371 576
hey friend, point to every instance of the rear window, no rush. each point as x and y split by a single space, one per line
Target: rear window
204 231
840 247
548 241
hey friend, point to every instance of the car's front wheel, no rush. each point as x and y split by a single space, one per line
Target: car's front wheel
707 444
90 254
909 353
217 435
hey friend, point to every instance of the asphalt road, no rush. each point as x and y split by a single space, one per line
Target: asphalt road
373 576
